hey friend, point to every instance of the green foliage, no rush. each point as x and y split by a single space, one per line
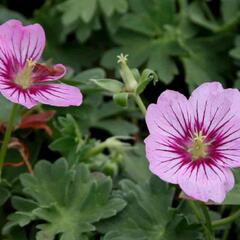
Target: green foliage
69 200
84 16
171 37
5 110
4 194
7 14
111 85
178 42
148 214
157 35
133 157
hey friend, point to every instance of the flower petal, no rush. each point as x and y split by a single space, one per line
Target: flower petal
165 159
207 103
56 94
219 121
16 94
171 116
206 182
44 73
21 42
206 91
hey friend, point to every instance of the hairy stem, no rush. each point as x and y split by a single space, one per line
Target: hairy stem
226 220
7 136
207 217
140 104
203 219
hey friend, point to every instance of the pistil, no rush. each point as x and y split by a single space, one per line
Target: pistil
198 149
24 79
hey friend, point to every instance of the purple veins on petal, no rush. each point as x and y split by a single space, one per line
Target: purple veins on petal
22 79
195 142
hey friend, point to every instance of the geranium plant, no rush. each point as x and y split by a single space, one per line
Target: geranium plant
135 135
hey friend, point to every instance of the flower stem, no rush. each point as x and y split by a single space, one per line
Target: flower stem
195 210
200 217
226 220
207 217
226 233
96 150
140 104
7 136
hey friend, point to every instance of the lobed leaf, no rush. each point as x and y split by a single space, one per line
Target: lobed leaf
148 215
69 201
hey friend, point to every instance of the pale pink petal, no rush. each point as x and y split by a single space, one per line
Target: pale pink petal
224 133
164 159
42 73
171 116
21 42
205 91
56 94
211 115
206 182
216 116
210 107
16 94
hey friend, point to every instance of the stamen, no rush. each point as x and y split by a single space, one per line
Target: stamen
24 79
31 63
198 148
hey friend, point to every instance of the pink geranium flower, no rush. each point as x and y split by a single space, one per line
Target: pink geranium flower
22 79
195 142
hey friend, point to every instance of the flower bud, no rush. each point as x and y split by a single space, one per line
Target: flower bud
131 83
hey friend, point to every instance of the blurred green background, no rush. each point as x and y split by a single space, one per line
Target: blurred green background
185 42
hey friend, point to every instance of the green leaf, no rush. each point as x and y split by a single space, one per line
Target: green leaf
75 9
50 19
198 16
139 23
202 65
148 215
7 14
63 144
70 54
83 32
4 195
118 127
161 12
131 158
230 9
6 107
121 6
111 85
17 233
88 8
235 52
68 201
195 75
94 73
107 6
163 63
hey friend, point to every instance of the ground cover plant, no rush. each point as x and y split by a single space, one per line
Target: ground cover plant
119 120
